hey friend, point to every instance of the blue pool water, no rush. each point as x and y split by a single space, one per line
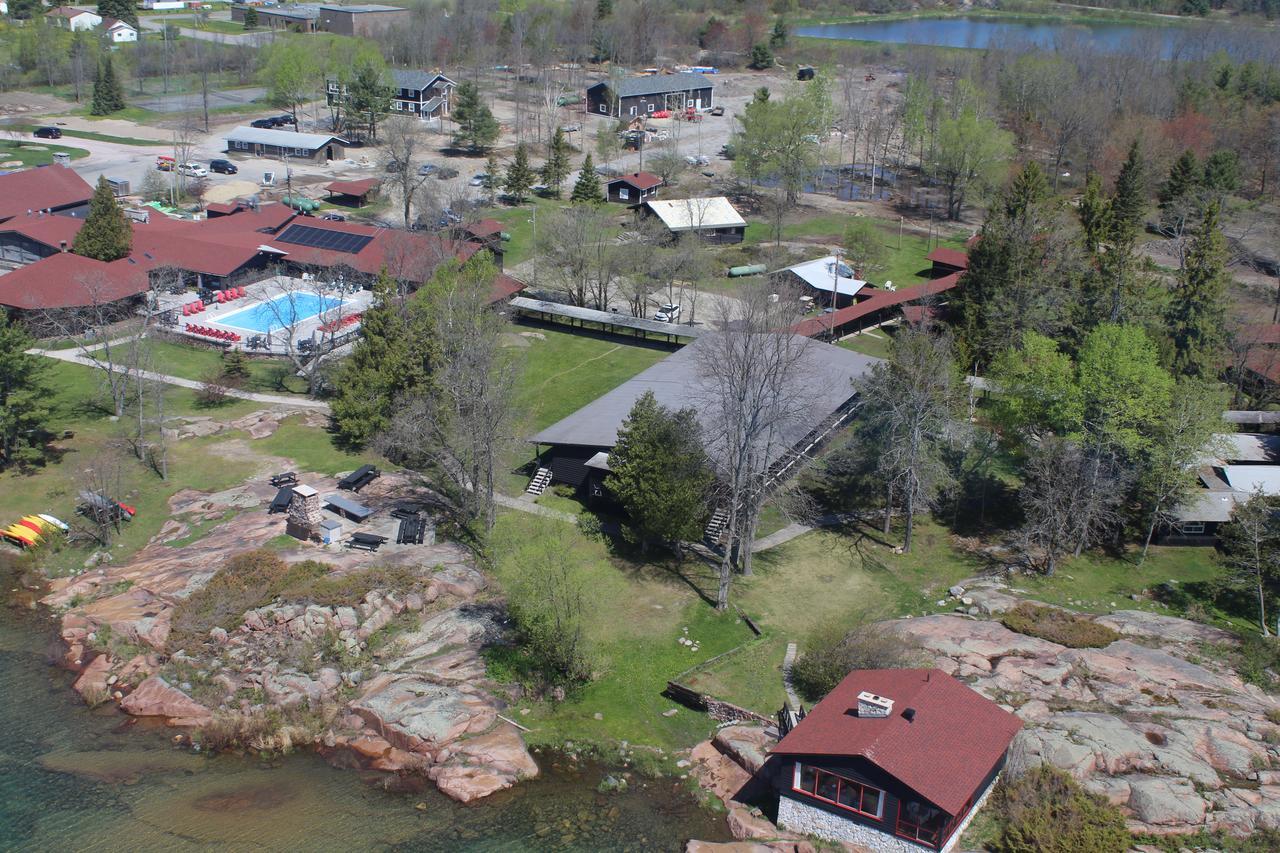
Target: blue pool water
288 309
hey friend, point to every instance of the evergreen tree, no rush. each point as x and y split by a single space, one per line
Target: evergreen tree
106 234
121 10
1095 215
586 190
24 409
761 57
1179 191
250 18
1197 312
369 93
1221 175
519 176
108 93
477 129
390 359
778 38
1129 204
556 169
659 473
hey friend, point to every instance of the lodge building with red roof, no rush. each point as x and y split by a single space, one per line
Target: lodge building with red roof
893 760
239 244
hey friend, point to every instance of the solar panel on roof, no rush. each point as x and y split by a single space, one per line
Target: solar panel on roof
323 238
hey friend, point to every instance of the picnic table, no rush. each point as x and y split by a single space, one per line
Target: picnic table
280 503
366 541
349 508
359 478
412 531
289 478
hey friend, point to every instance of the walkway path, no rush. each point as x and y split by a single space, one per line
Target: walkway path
526 505
793 701
77 356
795 530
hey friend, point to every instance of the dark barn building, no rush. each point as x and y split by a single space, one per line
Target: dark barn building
637 96
891 760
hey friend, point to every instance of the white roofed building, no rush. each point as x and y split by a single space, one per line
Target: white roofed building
828 280
714 219
281 144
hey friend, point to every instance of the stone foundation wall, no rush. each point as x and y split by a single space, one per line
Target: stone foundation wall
805 819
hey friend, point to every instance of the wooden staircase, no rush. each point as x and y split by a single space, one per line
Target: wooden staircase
539 483
715 527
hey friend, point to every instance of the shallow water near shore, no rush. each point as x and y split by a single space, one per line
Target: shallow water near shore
72 778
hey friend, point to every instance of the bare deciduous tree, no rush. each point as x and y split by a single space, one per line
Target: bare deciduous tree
404 141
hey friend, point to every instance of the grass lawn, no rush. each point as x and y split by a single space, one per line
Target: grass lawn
635 615
874 342
52 487
35 152
266 375
89 134
312 449
518 223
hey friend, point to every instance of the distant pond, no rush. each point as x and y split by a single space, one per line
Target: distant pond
1173 38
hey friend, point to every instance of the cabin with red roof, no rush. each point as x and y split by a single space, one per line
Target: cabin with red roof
892 760
634 189
947 261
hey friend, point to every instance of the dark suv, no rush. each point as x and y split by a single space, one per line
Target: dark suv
48 133
265 123
226 167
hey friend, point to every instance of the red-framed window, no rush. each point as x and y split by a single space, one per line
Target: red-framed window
922 823
838 791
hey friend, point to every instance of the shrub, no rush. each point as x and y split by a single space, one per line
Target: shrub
547 597
1058 626
1046 811
351 588
215 388
1258 660
248 580
829 656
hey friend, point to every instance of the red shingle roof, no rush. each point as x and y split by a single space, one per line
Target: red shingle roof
505 287
879 300
70 281
359 187
49 230
640 180
949 257
483 228
36 189
943 754
1264 334
1264 362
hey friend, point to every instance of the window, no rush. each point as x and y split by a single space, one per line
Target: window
650 107
920 822
846 793
604 108
624 193
1191 527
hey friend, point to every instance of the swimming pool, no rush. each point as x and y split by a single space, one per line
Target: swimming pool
287 309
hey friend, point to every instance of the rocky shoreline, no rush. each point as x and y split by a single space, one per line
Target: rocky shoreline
392 682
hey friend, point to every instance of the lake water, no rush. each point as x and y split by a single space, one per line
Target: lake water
983 32
72 779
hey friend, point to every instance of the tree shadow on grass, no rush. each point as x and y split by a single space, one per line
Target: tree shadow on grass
696 569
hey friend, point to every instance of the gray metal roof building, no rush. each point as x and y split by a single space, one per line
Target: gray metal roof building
657 84
828 373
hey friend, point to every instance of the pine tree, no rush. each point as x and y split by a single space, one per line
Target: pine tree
761 57
1197 312
519 176
1095 215
659 473
106 234
385 362
1129 204
24 409
121 10
1179 191
586 190
556 169
108 94
778 38
250 18
477 128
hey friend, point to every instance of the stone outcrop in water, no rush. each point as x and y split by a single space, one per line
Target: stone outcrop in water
418 704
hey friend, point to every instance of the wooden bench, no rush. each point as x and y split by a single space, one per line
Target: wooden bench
359 478
366 541
288 478
280 503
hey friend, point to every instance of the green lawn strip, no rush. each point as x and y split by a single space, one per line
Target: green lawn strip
36 153
266 375
873 343
89 134
518 223
751 677
634 619
313 449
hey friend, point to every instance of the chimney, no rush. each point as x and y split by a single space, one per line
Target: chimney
304 513
909 714
871 706
62 245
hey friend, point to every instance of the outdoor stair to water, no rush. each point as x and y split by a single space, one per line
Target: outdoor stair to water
715 526
539 483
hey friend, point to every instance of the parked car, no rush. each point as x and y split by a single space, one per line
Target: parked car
717 111
480 180
282 120
426 169
334 217
165 163
225 167
194 170
668 313
394 166
265 123
571 128
47 133
445 173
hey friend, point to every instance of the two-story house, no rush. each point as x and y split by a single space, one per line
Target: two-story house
424 94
